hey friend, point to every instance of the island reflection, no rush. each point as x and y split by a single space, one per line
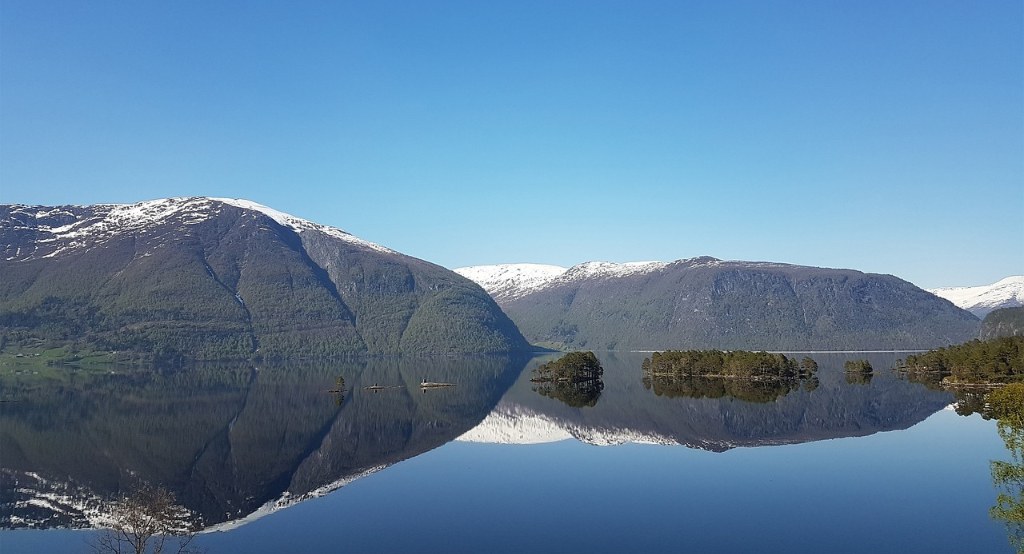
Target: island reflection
715 414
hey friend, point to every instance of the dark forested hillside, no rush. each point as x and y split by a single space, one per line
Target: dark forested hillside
1005 322
200 278
708 303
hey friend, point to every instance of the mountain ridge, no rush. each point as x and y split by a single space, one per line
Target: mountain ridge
208 278
706 302
982 299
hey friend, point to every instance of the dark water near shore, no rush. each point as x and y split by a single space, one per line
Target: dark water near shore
272 462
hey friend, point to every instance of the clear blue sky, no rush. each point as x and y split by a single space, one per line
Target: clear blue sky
886 136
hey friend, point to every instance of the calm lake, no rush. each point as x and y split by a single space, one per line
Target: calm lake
272 462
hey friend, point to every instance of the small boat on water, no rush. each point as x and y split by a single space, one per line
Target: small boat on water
376 387
433 385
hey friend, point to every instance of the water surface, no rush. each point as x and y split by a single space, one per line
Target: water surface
274 463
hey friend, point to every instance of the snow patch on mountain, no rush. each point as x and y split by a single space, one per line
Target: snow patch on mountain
510 281
300 225
609 270
61 229
980 300
507 281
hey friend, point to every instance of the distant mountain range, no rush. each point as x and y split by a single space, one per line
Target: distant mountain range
710 303
216 278
980 300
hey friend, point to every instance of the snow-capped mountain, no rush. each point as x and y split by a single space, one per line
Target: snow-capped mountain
510 281
980 300
217 278
64 229
710 303
506 281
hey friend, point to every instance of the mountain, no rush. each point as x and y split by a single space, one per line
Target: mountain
709 303
1004 322
980 300
209 278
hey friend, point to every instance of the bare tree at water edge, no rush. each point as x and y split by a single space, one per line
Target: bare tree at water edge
148 521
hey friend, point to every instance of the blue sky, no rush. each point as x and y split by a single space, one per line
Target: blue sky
885 136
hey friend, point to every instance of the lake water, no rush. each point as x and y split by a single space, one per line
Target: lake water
273 463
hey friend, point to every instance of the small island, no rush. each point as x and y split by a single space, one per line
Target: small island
858 372
739 364
573 367
748 376
575 379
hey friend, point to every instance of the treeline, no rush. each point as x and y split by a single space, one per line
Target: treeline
999 360
736 363
572 367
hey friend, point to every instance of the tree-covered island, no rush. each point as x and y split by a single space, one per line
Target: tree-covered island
575 379
858 372
738 364
747 376
572 367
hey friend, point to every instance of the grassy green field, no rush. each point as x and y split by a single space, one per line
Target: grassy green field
53 363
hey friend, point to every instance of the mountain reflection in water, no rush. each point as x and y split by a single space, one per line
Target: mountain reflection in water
233 443
228 441
714 415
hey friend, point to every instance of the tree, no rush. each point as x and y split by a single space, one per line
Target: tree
575 379
858 366
148 521
1007 405
808 366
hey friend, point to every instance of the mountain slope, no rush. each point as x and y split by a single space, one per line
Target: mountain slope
980 300
211 278
1004 322
710 303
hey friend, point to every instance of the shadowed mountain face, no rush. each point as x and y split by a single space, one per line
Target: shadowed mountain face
1005 322
630 409
206 278
709 303
228 441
